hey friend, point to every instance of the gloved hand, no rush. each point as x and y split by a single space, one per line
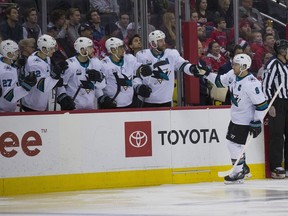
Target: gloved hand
106 102
255 128
95 75
143 90
199 70
29 81
21 62
87 84
65 102
145 70
58 70
272 111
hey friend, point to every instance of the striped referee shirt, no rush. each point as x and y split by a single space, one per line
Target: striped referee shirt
275 73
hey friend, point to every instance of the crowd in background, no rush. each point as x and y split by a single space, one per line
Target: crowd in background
106 19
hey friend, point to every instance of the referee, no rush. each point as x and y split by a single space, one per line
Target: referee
275 73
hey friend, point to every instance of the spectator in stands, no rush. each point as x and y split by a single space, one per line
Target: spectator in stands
204 15
122 23
94 20
108 10
30 27
267 58
247 11
157 8
168 28
194 15
58 25
233 50
74 17
220 34
132 29
135 44
10 28
225 10
85 30
202 36
215 59
270 30
27 46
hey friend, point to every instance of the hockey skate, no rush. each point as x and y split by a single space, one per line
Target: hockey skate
278 173
235 178
246 171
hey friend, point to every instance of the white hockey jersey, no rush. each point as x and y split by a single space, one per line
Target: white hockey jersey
119 78
72 78
38 97
162 80
11 92
247 98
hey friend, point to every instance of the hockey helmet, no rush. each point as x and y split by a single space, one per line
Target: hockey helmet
280 45
154 36
46 41
9 46
82 42
243 60
113 42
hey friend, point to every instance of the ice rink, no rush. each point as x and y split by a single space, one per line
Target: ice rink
254 197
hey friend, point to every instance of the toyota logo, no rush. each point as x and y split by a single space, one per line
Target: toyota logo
138 139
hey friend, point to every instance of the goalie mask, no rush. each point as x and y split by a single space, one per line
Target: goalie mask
83 43
9 49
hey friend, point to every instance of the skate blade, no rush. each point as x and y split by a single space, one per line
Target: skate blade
239 181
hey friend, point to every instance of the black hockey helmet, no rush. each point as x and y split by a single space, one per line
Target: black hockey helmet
280 45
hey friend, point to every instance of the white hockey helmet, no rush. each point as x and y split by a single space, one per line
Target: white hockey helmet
9 46
243 60
82 42
154 36
113 42
46 41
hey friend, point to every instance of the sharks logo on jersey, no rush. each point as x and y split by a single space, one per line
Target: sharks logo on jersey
161 74
235 99
123 82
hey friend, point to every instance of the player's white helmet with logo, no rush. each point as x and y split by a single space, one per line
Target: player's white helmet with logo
9 46
154 36
113 42
243 60
82 43
46 41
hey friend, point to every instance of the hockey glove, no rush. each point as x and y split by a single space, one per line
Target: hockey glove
106 102
145 70
94 75
199 70
58 70
29 81
143 90
255 128
65 102
87 84
21 62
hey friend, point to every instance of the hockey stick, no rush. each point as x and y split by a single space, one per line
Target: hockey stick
249 139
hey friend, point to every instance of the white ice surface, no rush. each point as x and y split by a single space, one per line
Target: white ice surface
253 198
